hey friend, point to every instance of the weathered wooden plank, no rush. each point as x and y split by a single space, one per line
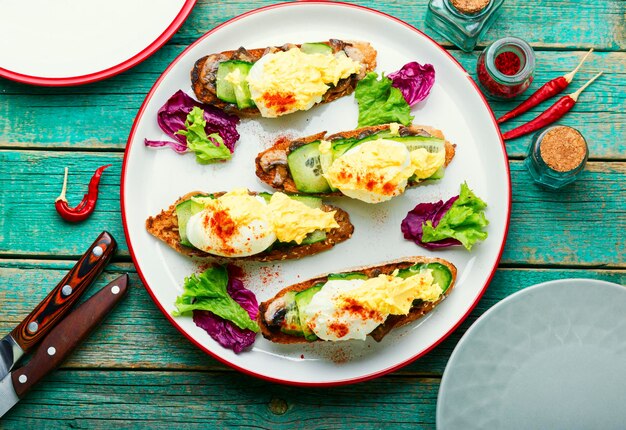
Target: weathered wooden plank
136 335
563 24
33 180
101 399
99 116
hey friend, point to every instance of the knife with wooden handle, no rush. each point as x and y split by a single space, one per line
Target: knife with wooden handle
60 342
43 318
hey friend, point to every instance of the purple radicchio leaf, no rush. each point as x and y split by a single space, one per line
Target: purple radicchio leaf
172 115
225 332
414 81
176 146
412 225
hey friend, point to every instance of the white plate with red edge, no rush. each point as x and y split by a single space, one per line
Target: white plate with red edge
72 42
153 178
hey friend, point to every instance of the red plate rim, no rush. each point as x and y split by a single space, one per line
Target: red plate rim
225 361
111 71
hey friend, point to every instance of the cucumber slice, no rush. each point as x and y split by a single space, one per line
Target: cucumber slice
431 144
239 92
224 89
441 273
346 276
291 323
313 237
306 169
184 211
340 147
303 298
310 201
316 48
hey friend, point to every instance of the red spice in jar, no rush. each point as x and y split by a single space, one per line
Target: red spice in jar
496 89
508 63
505 68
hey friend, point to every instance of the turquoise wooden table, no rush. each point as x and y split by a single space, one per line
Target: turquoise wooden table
138 371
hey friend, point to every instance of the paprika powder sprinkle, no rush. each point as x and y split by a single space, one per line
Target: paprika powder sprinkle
505 68
508 63
87 204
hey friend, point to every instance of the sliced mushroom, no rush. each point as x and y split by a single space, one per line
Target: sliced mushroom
275 313
271 159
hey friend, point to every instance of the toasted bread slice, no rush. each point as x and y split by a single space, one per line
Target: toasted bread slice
164 227
416 312
204 72
271 164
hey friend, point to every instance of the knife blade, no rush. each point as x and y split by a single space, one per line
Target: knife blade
47 313
60 342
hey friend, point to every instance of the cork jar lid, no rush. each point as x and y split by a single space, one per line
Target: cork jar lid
470 6
563 148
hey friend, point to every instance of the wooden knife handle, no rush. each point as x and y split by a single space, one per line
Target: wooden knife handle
68 334
39 322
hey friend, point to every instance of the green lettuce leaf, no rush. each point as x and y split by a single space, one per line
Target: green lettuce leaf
464 221
380 102
207 292
207 148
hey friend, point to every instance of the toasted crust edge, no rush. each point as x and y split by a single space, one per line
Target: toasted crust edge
206 94
164 227
288 185
379 333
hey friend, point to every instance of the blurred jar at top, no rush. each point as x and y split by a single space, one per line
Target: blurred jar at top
462 22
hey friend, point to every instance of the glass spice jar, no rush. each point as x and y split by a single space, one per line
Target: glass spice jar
462 22
557 156
505 69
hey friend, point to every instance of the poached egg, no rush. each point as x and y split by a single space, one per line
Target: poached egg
351 309
378 170
374 171
238 224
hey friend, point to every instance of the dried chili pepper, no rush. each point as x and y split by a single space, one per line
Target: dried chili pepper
86 206
553 113
547 90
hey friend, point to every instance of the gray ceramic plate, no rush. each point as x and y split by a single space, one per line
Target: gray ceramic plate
552 356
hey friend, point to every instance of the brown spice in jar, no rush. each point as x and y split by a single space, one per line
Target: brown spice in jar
470 6
563 148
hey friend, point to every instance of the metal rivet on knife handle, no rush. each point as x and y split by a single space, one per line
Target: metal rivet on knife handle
23 379
115 289
52 350
67 290
33 327
97 251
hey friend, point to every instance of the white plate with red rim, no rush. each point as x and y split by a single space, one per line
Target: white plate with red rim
72 42
152 179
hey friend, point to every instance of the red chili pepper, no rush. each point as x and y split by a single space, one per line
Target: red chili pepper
86 206
553 113
547 90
